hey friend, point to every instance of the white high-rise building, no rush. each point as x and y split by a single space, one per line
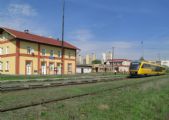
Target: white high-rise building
79 59
93 56
106 56
88 59
103 57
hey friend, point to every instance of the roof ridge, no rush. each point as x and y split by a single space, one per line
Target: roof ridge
37 38
28 33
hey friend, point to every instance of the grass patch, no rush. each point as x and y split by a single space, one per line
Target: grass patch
147 100
33 77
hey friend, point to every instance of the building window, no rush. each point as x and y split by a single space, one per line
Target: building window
32 51
59 54
7 50
69 67
1 65
69 55
52 53
28 50
7 65
1 51
43 52
51 66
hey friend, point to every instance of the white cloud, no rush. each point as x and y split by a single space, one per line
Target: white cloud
82 35
89 43
22 9
19 17
21 24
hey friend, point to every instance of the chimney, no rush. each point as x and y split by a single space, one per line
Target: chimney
26 31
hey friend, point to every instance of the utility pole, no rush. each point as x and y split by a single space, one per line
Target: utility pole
112 57
63 25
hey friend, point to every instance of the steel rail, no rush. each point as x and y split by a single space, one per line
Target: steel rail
57 84
54 79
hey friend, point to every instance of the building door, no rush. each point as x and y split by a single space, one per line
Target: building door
28 68
59 68
69 68
44 70
51 68
82 70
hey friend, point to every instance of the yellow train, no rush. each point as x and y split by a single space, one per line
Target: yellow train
143 68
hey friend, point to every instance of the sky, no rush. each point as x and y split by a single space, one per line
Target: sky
95 26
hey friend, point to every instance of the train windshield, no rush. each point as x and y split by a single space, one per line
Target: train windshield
134 66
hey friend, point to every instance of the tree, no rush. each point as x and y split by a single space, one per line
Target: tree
96 62
142 59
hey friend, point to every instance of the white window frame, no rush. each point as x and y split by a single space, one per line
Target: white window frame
1 65
43 51
51 66
7 50
32 51
69 55
1 50
69 67
7 65
29 50
51 53
59 54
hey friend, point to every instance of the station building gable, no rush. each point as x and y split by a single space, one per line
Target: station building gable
25 53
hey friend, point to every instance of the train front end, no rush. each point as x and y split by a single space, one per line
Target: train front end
134 68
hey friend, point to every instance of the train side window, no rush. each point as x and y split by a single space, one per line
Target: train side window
158 69
153 68
146 66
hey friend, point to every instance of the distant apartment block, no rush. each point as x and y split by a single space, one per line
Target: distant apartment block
23 53
80 60
93 56
90 58
106 56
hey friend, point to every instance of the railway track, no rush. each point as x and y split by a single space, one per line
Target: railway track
27 86
71 97
56 79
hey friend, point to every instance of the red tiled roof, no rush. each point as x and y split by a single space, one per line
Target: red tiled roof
38 39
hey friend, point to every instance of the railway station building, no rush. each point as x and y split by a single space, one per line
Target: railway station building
23 53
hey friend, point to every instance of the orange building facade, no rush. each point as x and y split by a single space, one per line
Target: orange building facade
22 53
